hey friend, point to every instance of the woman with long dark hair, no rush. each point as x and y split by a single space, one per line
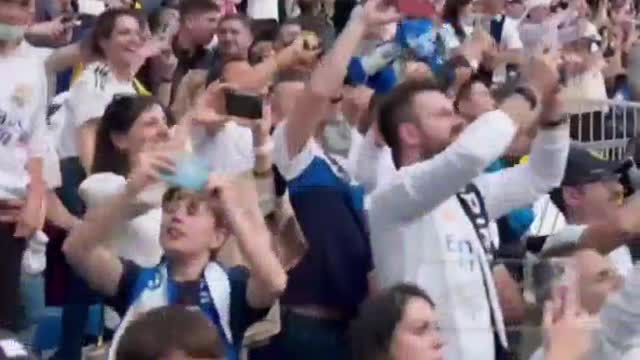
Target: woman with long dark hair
130 124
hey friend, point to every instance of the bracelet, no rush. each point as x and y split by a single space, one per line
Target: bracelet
264 149
528 94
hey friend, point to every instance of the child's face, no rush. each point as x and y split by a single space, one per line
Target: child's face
191 224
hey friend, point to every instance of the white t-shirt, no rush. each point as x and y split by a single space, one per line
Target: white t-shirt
23 129
139 239
230 150
88 98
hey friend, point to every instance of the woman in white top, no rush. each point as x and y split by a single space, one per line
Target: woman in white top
130 123
116 40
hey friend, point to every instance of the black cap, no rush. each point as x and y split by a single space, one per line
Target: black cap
584 167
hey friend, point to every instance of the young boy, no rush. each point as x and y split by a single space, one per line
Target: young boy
194 227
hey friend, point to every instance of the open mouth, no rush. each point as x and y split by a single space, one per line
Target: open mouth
174 233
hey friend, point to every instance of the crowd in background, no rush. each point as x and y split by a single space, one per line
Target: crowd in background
208 179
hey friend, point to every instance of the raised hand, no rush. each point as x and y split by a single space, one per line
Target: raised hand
541 74
149 167
568 327
238 197
376 13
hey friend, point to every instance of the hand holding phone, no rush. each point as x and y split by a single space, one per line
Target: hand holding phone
244 105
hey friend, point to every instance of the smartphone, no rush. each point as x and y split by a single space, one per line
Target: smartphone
245 105
417 8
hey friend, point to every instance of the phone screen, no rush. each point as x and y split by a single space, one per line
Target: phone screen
417 8
243 105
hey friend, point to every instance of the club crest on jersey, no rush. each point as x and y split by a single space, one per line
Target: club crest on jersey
22 94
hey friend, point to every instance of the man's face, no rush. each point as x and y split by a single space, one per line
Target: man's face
234 39
478 102
437 124
203 26
597 200
597 278
16 12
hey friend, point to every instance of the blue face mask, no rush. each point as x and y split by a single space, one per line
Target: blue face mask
11 33
191 173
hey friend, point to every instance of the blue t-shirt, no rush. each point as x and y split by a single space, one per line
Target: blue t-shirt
241 314
329 207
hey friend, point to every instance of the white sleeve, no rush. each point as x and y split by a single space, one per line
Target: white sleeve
99 188
86 101
421 187
290 168
621 314
511 35
522 185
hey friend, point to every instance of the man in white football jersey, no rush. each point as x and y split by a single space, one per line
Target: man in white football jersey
430 223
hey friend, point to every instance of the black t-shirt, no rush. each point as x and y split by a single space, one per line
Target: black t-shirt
241 314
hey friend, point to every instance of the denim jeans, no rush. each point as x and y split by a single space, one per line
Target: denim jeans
76 312
32 296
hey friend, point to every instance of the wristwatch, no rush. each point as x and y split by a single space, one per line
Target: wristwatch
528 94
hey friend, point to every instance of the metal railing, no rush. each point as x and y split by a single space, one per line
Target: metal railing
605 126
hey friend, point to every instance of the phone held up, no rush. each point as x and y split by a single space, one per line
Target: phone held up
245 105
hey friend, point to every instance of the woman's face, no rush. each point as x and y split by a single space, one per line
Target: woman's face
125 41
417 336
149 128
